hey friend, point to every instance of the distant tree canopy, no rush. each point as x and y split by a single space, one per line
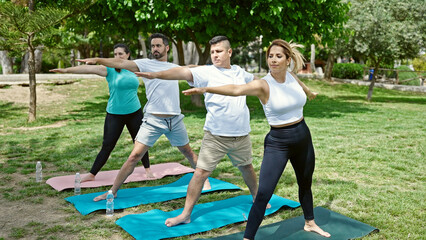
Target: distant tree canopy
383 31
241 20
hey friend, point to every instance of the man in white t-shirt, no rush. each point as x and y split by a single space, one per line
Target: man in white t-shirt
227 126
162 113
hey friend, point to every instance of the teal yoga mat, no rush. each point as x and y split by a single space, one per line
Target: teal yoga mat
206 216
339 226
131 197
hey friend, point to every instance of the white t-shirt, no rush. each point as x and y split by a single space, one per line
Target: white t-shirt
162 95
226 115
286 100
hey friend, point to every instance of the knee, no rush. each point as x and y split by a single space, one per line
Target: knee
134 158
201 174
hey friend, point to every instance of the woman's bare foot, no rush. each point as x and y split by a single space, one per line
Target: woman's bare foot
207 185
149 173
88 177
311 226
170 222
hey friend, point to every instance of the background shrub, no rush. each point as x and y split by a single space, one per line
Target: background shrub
407 75
348 71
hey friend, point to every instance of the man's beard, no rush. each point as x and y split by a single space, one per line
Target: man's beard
157 55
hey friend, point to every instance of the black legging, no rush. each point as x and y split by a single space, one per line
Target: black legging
113 128
292 142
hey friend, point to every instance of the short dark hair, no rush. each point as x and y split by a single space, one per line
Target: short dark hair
160 35
218 39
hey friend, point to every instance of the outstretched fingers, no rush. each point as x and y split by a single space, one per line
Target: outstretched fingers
192 91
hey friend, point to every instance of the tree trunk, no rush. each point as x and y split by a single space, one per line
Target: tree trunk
38 59
180 53
313 59
143 45
329 66
32 77
6 63
24 63
373 81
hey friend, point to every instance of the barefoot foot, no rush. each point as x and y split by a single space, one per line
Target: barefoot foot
149 173
311 226
170 222
88 177
207 185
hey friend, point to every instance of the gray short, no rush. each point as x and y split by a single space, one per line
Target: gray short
153 127
213 149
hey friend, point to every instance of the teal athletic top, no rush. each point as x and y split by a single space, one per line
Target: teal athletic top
123 92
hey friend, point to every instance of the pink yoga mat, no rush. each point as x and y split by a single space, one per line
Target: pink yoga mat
106 178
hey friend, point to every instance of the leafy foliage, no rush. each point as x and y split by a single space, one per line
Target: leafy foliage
348 71
406 74
241 21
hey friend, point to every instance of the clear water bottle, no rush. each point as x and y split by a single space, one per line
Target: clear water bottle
39 173
110 204
77 184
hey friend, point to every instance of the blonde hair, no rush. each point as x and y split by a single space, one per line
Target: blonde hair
291 51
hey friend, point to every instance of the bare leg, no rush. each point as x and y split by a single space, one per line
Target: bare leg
311 226
250 179
88 177
138 151
186 150
193 194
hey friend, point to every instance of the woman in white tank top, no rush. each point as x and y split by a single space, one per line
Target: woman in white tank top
283 97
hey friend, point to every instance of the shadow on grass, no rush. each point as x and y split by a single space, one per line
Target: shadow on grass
387 99
8 110
326 107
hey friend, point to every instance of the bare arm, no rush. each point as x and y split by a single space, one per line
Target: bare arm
311 95
177 73
258 88
112 63
83 69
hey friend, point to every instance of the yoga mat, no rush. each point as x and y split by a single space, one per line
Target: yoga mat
106 178
131 197
339 226
206 216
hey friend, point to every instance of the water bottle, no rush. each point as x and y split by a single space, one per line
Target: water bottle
39 173
110 204
77 184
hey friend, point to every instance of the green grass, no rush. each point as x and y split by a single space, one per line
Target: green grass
370 159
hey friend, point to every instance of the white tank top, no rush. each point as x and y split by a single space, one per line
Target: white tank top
286 100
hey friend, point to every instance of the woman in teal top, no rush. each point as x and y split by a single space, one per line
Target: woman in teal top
123 109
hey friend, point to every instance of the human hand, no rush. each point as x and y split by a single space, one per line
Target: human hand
89 61
194 91
312 95
149 75
58 70
103 197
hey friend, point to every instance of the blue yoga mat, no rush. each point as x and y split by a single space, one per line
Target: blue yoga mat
339 226
132 197
204 217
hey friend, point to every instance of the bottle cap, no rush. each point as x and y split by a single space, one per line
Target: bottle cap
110 191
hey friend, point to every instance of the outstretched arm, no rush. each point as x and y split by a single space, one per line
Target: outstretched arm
112 63
83 69
311 95
177 73
258 88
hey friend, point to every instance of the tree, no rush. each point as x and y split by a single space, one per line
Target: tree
383 31
22 28
240 20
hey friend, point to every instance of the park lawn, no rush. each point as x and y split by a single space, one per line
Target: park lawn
370 160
